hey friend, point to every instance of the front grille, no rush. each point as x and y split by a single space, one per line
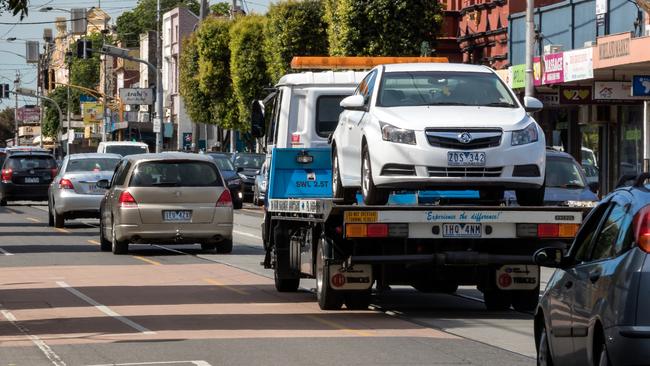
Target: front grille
449 139
398 169
463 172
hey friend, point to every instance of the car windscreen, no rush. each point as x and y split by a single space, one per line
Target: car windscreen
431 88
328 109
223 163
249 161
30 162
175 173
125 150
563 173
92 165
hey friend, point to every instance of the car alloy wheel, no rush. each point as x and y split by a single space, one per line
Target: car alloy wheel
543 350
371 194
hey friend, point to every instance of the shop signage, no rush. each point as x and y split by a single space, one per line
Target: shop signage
578 64
549 98
187 140
641 86
92 112
601 7
537 71
518 76
614 48
613 90
29 114
579 94
553 68
505 75
136 96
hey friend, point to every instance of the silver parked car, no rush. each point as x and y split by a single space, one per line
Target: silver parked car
595 307
171 198
73 193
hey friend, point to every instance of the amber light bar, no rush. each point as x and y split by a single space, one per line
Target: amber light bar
352 62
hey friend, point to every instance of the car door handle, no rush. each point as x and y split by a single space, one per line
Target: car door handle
594 276
568 284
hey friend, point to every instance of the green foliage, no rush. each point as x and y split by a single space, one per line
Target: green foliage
51 123
247 65
381 27
197 103
293 28
6 124
86 72
143 18
220 9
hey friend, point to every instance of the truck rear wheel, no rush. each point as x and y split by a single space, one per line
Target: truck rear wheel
328 298
285 284
525 300
497 300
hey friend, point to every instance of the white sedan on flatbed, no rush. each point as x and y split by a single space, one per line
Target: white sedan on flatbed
437 126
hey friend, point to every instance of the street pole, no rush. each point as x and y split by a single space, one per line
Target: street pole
16 86
67 107
159 89
530 34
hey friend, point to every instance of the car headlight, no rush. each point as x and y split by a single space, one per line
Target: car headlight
399 135
525 136
234 182
241 175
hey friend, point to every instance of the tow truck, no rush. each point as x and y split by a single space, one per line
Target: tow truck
348 249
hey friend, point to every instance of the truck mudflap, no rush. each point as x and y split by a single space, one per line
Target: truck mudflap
357 277
517 277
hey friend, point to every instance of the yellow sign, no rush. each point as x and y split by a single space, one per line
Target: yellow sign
92 112
361 216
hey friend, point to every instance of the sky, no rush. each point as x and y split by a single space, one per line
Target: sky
11 26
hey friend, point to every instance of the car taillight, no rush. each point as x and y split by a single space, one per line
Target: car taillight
127 200
6 175
642 229
65 184
225 200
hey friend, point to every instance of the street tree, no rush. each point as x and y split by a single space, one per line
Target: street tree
247 64
16 7
197 103
220 9
6 124
381 27
51 122
86 72
143 18
293 28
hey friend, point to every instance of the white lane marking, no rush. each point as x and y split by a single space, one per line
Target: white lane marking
47 351
195 363
5 252
247 234
105 309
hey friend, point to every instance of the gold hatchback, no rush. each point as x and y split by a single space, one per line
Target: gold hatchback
170 198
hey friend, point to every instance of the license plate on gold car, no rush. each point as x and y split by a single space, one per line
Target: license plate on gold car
177 215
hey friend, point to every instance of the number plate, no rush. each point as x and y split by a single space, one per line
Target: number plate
32 180
178 215
92 188
465 158
461 230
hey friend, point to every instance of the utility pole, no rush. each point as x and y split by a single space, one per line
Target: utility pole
233 8
16 86
67 107
159 89
106 115
530 38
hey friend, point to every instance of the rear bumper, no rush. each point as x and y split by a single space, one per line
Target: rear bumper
16 192
173 232
66 202
628 345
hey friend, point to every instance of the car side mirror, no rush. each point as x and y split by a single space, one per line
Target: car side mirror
354 102
549 257
532 104
594 186
103 183
258 122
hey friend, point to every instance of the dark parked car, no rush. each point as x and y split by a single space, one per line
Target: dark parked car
233 180
26 175
595 307
248 166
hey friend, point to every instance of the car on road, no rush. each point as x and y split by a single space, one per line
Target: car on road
74 193
26 175
123 148
172 198
594 310
233 180
437 126
259 189
248 166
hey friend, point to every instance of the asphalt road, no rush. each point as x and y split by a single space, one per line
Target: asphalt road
63 302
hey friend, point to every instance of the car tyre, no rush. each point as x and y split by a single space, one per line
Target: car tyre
531 197
343 195
525 300
371 194
59 220
118 246
237 204
601 358
328 298
50 217
497 300
104 244
544 357
225 246
358 300
285 284
208 247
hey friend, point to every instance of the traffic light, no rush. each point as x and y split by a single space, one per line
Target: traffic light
4 90
84 48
